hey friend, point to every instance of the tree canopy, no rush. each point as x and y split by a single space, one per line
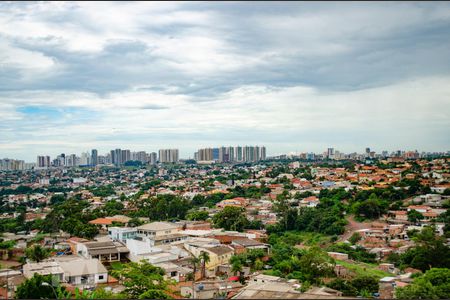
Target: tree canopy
434 284
231 218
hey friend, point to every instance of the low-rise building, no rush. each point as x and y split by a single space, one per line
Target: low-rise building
122 233
107 251
160 233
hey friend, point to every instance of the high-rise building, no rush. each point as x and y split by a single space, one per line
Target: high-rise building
168 155
330 152
223 157
72 160
262 155
116 157
11 165
238 154
103 159
94 157
43 161
126 156
140 156
256 153
61 160
153 158
249 153
85 159
230 152
215 154
205 154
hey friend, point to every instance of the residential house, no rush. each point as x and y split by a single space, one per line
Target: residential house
107 251
80 271
104 223
249 244
160 233
44 268
122 233
218 254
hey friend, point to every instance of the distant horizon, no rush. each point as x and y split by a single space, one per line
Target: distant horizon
293 76
183 157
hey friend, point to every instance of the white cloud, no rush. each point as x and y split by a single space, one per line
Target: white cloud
392 114
288 75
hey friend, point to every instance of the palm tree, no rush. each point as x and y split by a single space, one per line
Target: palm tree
204 256
236 267
37 253
195 261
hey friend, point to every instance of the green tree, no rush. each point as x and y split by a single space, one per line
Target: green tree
142 280
434 284
198 216
316 263
365 284
236 267
55 199
37 253
204 258
113 207
371 208
356 237
231 218
343 286
33 288
414 216
195 262
431 251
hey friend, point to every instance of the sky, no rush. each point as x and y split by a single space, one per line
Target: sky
293 76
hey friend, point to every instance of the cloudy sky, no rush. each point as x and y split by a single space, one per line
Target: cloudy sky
292 76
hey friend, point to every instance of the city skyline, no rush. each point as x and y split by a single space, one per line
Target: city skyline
293 76
154 155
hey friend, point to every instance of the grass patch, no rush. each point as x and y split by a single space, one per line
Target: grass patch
116 265
361 269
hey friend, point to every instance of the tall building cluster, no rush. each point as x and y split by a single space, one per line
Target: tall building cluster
168 155
116 157
231 154
119 157
7 164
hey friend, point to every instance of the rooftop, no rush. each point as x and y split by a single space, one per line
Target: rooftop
157 226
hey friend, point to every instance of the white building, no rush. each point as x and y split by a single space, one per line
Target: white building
122 234
160 233
74 270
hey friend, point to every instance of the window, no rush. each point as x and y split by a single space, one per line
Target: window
100 277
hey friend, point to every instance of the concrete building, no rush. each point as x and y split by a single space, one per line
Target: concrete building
94 157
160 233
122 234
153 158
43 162
168 155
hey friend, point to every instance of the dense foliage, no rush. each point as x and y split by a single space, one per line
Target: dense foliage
162 207
231 218
434 284
33 288
357 253
363 286
431 252
70 216
142 280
